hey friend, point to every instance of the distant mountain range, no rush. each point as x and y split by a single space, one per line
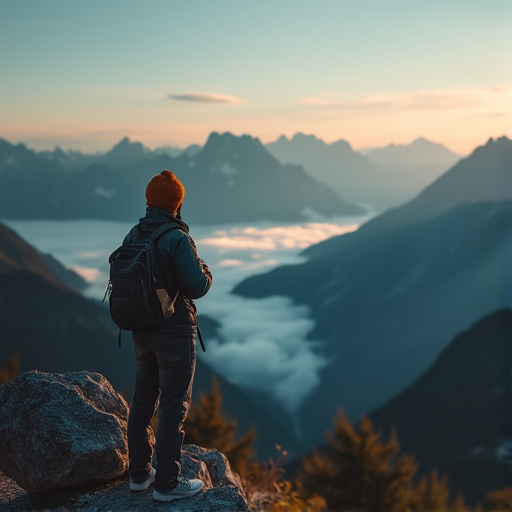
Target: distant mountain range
383 177
231 179
389 297
486 175
420 155
54 329
336 164
235 178
121 154
308 175
457 417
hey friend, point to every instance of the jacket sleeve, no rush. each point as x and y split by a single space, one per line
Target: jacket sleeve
129 236
194 277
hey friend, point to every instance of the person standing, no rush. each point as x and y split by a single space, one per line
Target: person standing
166 355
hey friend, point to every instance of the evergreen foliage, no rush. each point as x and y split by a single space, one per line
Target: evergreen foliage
268 491
11 370
433 493
209 427
357 471
499 501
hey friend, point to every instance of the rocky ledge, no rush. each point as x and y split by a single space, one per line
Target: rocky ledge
63 447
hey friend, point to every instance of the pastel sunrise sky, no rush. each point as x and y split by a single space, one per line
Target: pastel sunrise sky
82 74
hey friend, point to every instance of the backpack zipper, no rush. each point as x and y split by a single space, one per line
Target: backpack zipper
108 291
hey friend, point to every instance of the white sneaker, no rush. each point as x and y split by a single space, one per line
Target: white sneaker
184 489
137 486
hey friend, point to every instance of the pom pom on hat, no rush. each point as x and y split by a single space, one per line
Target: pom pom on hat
165 191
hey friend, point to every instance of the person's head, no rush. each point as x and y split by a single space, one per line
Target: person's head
165 191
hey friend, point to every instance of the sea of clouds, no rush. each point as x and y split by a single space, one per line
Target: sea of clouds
262 344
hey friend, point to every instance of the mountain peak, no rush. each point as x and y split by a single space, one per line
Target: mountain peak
301 136
310 140
431 157
499 141
494 144
341 144
314 141
125 142
125 151
421 141
483 176
227 142
59 152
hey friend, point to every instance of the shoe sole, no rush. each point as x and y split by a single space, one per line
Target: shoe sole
144 485
166 498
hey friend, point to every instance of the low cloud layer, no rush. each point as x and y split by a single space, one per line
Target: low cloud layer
263 343
275 238
206 97
263 347
89 274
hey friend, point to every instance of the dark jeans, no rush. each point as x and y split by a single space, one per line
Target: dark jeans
165 370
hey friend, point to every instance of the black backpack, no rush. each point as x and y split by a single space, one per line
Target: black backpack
137 296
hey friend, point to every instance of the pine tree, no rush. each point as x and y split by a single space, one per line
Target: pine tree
459 505
208 427
499 501
433 493
11 371
358 472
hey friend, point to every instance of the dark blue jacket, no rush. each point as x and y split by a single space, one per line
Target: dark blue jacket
182 270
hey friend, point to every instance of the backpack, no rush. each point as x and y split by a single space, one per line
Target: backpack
138 299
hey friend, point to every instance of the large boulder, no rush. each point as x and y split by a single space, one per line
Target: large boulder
62 430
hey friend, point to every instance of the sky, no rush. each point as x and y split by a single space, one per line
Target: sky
82 74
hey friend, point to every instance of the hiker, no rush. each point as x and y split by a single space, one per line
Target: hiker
166 355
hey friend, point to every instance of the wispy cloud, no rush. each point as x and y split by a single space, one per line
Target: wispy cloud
206 97
456 98
89 274
275 238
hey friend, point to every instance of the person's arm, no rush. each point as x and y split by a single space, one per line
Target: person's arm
194 277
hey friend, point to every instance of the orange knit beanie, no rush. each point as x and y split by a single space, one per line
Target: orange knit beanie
165 191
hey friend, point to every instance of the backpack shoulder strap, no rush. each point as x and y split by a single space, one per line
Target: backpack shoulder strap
160 230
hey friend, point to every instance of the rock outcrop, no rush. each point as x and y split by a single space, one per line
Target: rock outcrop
226 493
63 446
62 430
222 491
